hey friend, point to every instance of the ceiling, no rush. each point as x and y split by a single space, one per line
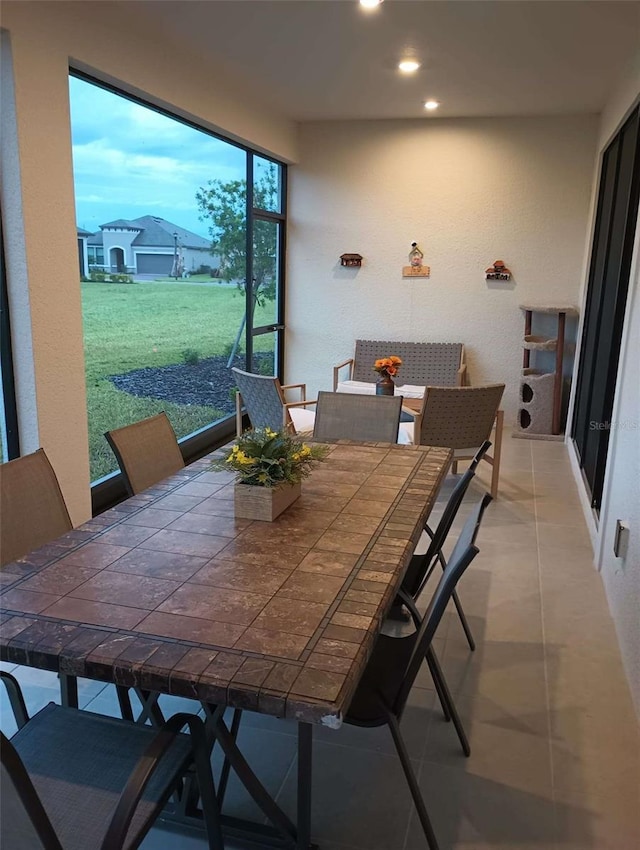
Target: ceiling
330 59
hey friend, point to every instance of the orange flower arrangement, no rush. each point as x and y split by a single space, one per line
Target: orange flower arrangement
388 366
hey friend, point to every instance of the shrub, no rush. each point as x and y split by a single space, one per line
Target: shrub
120 278
191 356
100 277
228 348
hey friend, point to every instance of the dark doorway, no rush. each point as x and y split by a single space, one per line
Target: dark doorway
611 254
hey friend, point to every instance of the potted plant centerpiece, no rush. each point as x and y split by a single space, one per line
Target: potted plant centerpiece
270 466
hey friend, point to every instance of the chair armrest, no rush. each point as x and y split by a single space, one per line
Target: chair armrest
417 422
301 387
16 700
238 414
337 368
301 403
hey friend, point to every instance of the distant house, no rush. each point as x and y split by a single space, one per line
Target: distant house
145 246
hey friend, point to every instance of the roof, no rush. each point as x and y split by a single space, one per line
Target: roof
154 232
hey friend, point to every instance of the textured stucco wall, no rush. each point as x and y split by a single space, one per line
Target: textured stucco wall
469 191
38 196
621 496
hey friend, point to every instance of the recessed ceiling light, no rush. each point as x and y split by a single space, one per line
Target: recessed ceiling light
408 66
370 4
431 104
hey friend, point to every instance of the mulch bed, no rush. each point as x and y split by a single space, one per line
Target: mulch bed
208 382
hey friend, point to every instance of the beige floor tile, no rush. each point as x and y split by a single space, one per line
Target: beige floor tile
472 812
552 536
499 754
561 512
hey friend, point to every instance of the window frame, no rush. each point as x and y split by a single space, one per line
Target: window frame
109 490
9 400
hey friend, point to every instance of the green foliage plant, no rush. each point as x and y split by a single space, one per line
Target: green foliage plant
266 458
191 356
223 206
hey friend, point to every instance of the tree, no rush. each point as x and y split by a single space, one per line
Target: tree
223 207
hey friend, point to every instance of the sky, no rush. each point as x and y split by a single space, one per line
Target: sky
130 161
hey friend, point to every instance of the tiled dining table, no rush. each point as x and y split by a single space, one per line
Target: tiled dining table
171 593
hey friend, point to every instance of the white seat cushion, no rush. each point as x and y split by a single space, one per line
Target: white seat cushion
303 419
405 433
364 388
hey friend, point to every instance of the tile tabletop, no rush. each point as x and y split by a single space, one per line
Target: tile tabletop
170 592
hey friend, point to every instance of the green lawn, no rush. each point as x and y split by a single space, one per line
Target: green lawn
129 326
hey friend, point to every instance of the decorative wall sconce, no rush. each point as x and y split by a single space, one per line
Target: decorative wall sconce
415 267
351 260
498 271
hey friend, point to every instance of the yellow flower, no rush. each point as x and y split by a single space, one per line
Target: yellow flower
270 433
244 459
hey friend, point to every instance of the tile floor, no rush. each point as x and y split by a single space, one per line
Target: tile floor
555 761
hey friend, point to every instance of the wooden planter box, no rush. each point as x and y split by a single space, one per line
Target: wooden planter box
264 503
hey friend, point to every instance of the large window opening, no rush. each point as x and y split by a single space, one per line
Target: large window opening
172 223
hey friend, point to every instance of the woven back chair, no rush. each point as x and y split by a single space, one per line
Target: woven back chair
74 780
32 508
147 451
424 363
263 397
346 416
462 418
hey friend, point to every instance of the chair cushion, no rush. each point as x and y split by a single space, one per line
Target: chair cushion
365 388
79 762
303 419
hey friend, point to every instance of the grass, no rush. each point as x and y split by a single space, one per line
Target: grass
132 326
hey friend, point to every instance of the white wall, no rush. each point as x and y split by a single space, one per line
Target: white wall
470 191
621 496
38 200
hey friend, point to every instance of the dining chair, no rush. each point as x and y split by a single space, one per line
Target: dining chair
73 780
32 513
462 418
422 565
32 506
413 584
146 451
349 416
264 400
382 693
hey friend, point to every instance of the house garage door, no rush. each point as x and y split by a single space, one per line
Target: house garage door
154 263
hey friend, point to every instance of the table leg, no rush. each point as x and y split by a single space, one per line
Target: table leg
68 690
305 745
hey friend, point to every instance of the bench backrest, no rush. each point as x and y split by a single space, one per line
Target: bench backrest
423 363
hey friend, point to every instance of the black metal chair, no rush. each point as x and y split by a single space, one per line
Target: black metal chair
73 780
382 693
421 567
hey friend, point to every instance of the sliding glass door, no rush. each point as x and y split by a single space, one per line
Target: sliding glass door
616 217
